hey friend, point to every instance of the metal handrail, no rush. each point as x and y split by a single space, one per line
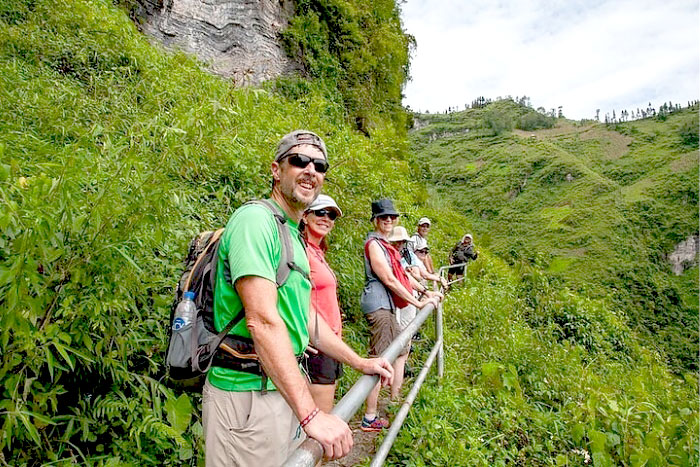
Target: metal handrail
442 270
311 451
438 318
396 425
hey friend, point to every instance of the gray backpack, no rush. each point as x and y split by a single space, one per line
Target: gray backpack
197 346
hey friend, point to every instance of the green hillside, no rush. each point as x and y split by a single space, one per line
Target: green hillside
598 208
521 390
114 153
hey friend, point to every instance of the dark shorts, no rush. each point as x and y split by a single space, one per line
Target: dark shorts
456 270
323 369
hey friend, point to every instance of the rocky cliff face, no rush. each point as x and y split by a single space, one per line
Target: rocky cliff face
236 38
685 255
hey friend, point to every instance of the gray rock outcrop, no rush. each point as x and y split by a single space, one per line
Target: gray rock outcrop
235 38
685 255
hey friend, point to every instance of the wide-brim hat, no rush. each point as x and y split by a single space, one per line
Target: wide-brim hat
324 202
383 207
399 234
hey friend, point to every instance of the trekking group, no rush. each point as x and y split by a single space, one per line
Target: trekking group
269 308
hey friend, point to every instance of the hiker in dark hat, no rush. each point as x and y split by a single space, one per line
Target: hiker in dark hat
387 287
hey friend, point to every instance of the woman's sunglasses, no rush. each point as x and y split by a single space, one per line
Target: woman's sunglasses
384 217
330 213
301 161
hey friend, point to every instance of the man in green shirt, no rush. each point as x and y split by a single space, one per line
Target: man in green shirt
244 426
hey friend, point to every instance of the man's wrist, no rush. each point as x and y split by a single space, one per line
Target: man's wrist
309 417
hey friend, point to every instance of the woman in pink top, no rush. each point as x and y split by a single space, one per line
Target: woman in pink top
317 222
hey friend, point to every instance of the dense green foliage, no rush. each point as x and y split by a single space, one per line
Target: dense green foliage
598 208
356 48
113 154
524 387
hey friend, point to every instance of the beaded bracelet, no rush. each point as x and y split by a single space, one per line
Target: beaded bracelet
310 417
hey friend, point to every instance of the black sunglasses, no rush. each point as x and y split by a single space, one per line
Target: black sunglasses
301 161
332 214
388 216
424 251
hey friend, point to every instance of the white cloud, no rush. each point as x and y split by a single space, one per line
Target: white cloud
583 55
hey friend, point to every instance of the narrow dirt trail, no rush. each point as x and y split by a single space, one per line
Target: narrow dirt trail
364 442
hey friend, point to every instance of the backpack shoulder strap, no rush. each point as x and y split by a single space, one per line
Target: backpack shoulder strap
287 263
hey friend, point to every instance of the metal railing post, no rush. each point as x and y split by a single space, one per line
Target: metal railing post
396 425
439 338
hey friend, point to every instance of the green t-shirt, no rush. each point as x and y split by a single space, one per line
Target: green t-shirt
251 245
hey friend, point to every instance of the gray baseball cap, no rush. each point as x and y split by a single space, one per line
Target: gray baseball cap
297 137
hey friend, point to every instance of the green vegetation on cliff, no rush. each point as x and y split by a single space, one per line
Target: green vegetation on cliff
113 155
358 49
539 376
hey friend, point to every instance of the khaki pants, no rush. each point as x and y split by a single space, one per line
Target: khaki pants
248 429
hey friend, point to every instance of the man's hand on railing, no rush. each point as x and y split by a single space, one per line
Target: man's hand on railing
378 366
333 434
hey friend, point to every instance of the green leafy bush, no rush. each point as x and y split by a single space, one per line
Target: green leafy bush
535 121
689 133
516 393
497 120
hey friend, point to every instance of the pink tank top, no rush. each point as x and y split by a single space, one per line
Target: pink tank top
324 296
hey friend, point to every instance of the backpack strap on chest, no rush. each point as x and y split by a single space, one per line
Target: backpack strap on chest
287 264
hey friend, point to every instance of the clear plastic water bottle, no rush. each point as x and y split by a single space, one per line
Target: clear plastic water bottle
185 311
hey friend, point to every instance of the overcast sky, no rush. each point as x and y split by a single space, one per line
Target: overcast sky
581 54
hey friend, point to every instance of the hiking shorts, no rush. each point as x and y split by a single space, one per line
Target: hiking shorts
406 315
249 428
323 369
383 330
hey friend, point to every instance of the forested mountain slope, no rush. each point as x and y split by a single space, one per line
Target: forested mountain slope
114 153
598 208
